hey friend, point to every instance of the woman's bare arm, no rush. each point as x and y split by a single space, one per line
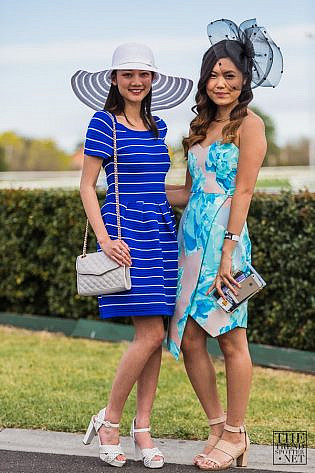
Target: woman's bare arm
91 169
117 250
253 148
179 195
171 187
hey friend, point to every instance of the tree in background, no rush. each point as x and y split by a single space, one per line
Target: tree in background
29 154
295 153
3 164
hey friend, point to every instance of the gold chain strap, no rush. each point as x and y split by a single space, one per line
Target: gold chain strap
116 193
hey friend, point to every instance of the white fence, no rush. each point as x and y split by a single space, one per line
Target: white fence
299 177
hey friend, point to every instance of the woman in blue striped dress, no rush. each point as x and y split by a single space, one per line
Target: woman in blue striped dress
132 88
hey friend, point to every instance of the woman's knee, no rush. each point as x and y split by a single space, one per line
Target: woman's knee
233 344
194 340
150 336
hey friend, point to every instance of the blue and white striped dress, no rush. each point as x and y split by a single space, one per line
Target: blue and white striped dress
147 220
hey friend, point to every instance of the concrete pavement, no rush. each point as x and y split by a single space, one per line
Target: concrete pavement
27 448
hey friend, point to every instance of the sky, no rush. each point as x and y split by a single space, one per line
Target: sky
44 42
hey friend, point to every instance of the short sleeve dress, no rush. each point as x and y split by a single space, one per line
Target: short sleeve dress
147 219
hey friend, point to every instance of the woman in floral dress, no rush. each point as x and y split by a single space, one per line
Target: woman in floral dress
226 147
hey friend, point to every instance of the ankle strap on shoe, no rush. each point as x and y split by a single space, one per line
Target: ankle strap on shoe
109 424
217 420
145 429
99 420
230 428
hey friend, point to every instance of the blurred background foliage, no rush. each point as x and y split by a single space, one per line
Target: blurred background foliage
18 153
42 233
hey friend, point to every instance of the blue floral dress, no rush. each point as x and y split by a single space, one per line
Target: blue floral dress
200 238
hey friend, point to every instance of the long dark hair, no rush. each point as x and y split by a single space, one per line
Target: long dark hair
116 104
205 108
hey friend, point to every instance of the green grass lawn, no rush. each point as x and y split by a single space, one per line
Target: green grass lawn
49 381
277 183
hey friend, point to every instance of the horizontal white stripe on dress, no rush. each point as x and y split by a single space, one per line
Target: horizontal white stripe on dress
154 285
128 173
174 262
142 146
129 138
140 138
159 249
144 277
144 249
147 259
137 221
142 295
105 123
99 141
154 276
153 267
137 303
155 249
137 154
133 239
137 210
144 241
137 163
141 193
103 133
97 151
136 183
131 229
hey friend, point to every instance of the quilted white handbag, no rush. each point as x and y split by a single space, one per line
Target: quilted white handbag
97 273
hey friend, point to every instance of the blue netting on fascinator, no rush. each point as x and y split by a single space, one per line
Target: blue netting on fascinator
263 55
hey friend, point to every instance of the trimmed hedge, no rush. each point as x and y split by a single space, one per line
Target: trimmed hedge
42 232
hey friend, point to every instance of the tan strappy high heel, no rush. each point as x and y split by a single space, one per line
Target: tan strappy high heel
240 454
212 439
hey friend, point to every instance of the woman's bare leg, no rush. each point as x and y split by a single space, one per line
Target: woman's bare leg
146 390
149 335
238 367
201 373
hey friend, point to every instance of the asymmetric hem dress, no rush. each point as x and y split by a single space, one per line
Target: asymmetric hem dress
147 220
201 235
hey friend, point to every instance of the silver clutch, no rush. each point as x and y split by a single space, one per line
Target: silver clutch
98 274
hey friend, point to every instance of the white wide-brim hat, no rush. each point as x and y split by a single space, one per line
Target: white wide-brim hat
167 91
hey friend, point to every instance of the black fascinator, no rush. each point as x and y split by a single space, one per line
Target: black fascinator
260 52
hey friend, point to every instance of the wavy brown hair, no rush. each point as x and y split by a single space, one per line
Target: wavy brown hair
205 109
116 104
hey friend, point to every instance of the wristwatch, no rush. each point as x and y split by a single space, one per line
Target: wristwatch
231 236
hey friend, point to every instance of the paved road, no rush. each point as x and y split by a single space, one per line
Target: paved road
29 462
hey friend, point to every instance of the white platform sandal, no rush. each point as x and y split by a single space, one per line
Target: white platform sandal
212 439
146 454
108 453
